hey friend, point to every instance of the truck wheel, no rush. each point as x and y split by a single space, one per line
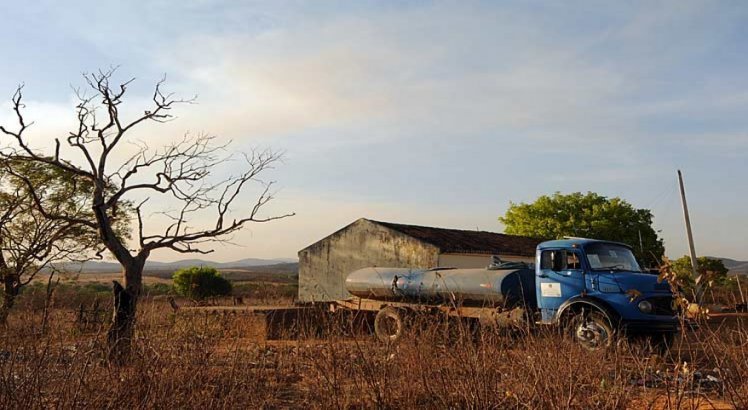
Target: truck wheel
389 325
592 330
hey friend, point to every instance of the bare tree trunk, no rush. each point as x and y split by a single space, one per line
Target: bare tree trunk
48 300
122 330
10 291
5 309
8 287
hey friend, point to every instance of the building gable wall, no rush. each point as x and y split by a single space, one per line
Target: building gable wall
324 265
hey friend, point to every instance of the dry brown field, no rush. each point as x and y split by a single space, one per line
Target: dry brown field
103 278
189 359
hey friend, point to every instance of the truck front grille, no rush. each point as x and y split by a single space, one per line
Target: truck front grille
662 305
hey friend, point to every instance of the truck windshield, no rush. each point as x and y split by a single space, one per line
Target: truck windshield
608 256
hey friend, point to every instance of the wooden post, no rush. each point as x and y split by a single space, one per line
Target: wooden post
81 316
96 311
740 289
121 331
641 243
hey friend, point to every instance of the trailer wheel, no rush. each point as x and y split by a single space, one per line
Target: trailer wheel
389 325
591 330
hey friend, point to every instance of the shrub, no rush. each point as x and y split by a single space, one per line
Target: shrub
713 271
200 282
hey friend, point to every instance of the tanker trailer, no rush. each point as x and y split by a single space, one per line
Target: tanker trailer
593 290
492 295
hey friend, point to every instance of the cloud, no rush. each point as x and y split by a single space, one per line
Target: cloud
357 76
439 70
441 103
414 72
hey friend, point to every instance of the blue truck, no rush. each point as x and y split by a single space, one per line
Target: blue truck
594 290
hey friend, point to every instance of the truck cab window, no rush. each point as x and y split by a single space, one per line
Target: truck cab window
554 260
546 260
572 261
559 260
607 256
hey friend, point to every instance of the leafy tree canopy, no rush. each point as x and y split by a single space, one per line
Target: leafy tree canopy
587 215
200 282
58 191
29 240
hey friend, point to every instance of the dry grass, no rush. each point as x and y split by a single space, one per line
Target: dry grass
97 277
214 361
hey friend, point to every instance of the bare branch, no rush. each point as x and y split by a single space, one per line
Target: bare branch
176 235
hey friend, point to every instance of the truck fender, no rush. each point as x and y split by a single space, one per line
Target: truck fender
577 302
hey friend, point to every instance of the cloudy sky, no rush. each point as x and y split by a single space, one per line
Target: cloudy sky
433 113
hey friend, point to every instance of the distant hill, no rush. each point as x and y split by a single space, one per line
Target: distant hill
735 267
104 267
278 272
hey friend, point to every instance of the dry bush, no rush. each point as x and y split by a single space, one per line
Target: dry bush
215 361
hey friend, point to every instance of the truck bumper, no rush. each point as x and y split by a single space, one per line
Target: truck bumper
646 326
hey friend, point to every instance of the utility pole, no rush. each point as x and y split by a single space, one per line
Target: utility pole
692 248
740 289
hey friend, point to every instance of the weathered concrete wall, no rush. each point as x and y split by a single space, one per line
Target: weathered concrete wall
460 260
324 266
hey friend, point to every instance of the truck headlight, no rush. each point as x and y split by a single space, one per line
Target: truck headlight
645 306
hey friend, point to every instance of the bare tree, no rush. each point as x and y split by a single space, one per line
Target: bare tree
179 171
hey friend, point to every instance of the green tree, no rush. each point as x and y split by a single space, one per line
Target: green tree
30 242
587 215
712 271
200 282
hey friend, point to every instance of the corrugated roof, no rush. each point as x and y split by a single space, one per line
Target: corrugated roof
462 241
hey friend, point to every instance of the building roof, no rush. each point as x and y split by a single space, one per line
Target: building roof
462 241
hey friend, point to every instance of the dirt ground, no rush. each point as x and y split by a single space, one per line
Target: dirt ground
195 358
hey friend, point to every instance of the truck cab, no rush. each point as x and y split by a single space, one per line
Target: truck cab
597 289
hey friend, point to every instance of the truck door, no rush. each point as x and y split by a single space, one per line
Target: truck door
560 276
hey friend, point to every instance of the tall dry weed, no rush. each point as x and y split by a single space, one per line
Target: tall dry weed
216 361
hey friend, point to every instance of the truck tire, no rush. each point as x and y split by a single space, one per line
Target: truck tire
591 330
389 325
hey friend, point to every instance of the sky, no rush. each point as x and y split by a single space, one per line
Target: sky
421 112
